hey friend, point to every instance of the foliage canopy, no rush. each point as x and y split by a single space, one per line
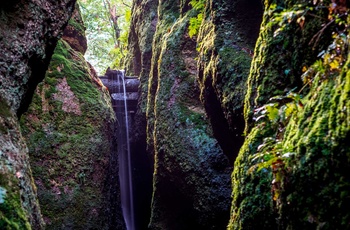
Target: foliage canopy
107 23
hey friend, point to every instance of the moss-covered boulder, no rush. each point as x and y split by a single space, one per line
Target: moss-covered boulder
69 128
290 172
29 31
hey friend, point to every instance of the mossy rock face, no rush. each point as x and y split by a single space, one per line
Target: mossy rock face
191 174
305 186
163 26
29 31
74 33
316 189
27 47
226 41
19 208
138 61
282 50
142 28
12 216
69 128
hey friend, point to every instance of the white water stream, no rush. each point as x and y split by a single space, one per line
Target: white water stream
125 170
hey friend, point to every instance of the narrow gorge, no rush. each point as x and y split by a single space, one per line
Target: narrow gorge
227 114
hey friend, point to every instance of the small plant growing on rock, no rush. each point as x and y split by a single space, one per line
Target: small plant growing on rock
195 22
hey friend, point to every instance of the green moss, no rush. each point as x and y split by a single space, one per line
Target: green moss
252 206
2 129
191 118
225 55
281 52
318 136
169 11
181 137
312 183
60 60
50 92
69 151
233 71
12 215
77 25
50 81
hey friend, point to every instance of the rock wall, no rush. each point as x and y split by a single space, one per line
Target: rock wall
226 42
70 128
191 172
28 34
290 172
285 88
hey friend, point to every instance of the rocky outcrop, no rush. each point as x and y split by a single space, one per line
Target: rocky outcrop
33 28
226 41
74 33
28 34
69 128
290 172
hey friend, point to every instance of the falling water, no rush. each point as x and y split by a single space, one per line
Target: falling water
125 170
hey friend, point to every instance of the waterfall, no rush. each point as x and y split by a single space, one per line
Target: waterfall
125 170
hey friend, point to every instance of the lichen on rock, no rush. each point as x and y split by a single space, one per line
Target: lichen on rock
18 204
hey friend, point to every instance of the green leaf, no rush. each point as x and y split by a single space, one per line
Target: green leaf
268 157
198 4
272 112
291 107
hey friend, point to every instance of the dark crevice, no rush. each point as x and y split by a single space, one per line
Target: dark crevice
39 65
220 126
142 163
249 16
38 68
